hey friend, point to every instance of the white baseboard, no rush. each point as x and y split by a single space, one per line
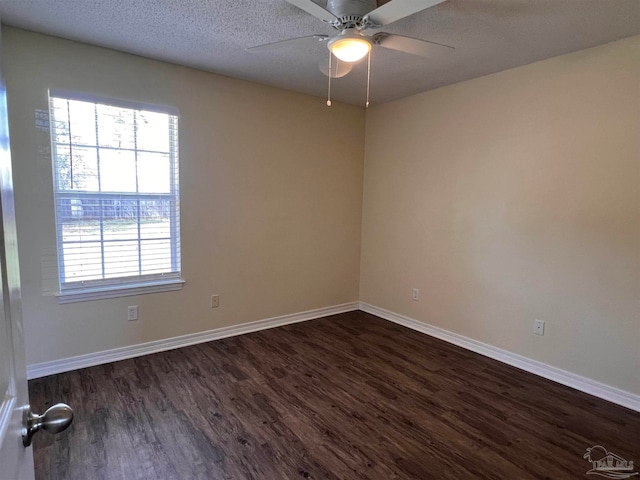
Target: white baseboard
597 389
81 361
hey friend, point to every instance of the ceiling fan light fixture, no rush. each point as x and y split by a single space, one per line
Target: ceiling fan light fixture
350 49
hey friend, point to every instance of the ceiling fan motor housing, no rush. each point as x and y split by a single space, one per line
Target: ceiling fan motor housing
350 12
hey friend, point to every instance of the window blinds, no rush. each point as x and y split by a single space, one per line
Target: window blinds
115 169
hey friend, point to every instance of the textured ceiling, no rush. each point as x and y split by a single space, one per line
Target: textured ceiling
212 35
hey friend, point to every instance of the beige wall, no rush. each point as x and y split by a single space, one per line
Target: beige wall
271 192
513 197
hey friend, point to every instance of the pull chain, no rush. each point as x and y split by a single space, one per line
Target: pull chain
329 92
368 78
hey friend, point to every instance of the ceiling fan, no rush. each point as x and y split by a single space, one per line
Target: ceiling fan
353 19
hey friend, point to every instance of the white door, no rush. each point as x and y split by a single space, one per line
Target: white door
16 461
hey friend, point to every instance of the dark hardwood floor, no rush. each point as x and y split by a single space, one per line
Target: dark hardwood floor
344 397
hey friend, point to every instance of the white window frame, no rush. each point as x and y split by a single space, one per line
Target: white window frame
80 291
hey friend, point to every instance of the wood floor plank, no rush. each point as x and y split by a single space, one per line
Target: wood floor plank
348 397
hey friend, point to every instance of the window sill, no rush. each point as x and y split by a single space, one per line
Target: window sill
100 293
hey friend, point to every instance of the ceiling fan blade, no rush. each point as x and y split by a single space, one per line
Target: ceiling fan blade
315 10
289 42
410 45
395 10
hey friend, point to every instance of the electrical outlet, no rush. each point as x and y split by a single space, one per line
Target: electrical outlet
215 301
538 327
415 295
132 313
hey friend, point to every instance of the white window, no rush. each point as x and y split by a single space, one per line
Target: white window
117 204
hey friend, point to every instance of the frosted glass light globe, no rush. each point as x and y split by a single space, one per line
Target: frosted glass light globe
350 49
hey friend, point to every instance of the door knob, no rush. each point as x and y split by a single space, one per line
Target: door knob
56 419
